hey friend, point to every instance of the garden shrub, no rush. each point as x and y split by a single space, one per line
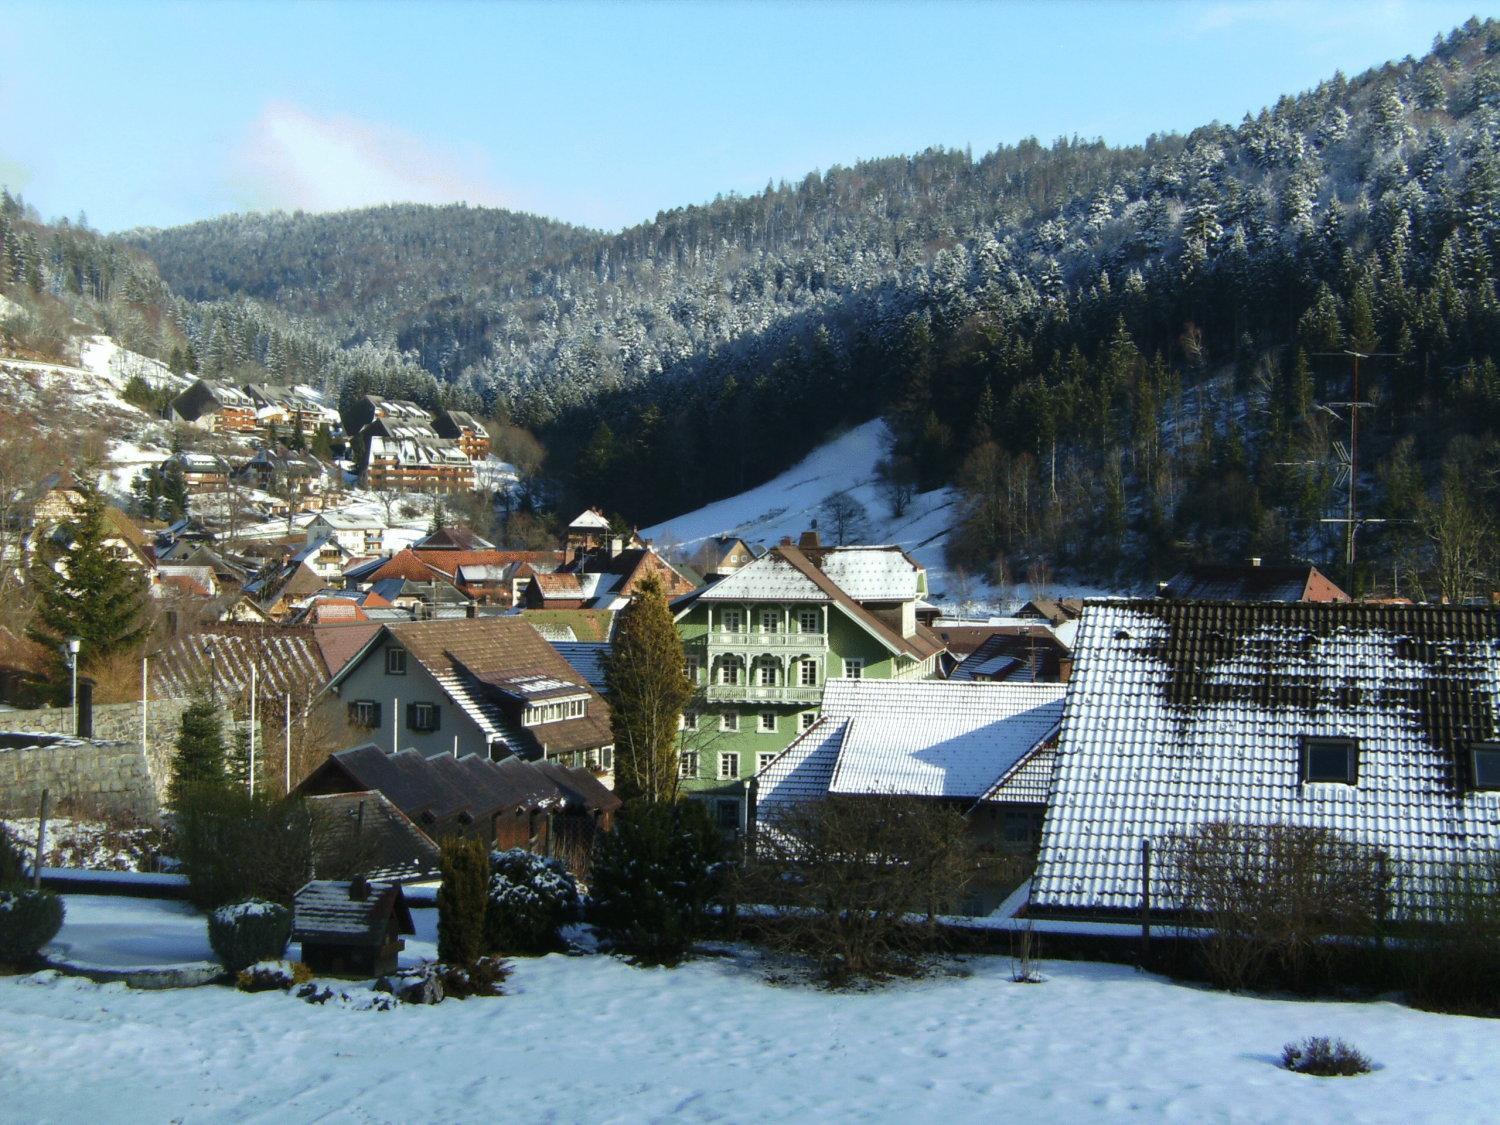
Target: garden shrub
12 862
484 976
530 898
29 919
1453 960
234 847
462 900
654 879
269 976
1270 896
247 932
1326 1058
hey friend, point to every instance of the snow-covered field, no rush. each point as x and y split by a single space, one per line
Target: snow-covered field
788 505
594 1039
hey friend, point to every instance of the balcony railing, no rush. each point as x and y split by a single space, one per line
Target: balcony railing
760 693
723 638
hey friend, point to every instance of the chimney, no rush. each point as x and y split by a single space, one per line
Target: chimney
472 609
85 709
809 539
359 889
786 540
1161 589
1254 560
616 546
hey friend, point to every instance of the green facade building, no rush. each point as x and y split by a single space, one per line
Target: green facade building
761 644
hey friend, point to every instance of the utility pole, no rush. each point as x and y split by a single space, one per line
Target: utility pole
1349 456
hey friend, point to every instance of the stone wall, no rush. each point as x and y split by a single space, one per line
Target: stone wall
116 722
82 778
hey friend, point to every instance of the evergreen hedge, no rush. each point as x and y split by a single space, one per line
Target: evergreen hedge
29 919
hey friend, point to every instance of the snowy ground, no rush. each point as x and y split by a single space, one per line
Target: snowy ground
788 505
594 1039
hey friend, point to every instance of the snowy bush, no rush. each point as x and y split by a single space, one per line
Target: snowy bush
28 920
1326 1058
654 878
314 993
248 932
432 981
268 976
530 897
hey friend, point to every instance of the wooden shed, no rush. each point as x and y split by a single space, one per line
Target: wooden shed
350 928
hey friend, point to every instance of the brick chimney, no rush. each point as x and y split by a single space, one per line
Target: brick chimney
809 539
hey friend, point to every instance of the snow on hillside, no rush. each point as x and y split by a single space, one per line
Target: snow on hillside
789 504
710 1041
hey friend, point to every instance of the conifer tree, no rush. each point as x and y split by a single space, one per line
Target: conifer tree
199 759
84 591
648 688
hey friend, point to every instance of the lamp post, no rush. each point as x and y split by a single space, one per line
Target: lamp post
72 647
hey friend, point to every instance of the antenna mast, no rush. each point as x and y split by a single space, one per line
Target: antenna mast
1349 456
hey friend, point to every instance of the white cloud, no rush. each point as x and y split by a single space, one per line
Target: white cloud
290 158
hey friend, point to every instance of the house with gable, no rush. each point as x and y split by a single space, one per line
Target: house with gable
985 750
490 686
1380 723
1253 581
464 428
216 407
762 644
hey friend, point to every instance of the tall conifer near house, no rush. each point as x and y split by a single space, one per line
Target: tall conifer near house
648 688
199 759
84 590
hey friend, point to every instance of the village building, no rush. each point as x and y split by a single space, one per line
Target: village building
1253 582
762 644
298 408
362 832
1378 723
722 555
510 803
490 686
1017 655
472 438
361 536
985 750
219 408
201 472
589 531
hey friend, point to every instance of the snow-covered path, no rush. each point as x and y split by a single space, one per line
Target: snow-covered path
593 1039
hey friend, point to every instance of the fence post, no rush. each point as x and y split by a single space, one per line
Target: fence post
41 843
1145 901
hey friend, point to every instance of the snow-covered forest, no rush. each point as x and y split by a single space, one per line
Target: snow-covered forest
1117 354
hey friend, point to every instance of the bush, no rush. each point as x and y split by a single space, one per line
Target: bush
530 898
270 976
248 932
1453 962
654 878
484 976
1271 895
29 919
235 847
461 901
1325 1058
861 880
12 862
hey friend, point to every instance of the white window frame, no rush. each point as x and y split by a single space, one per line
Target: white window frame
729 765
770 621
806 615
395 662
854 668
688 720
728 664
764 759
729 722
763 727
687 763
419 709
807 673
731 615
767 676
690 668
806 720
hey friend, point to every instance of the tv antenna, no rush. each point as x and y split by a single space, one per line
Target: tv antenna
1347 455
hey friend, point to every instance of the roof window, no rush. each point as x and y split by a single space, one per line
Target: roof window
1484 765
1330 761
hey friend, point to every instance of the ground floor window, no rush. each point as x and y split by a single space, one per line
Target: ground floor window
727 815
687 763
729 766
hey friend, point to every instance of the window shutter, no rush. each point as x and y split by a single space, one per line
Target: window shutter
354 714
411 716
437 717
374 714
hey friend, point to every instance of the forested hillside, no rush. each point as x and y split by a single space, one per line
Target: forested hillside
1030 321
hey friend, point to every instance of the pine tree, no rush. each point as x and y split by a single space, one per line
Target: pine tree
84 591
648 688
200 755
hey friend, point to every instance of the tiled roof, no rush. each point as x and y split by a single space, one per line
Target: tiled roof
935 738
1180 713
1015 657
771 578
803 770
591 520
1253 583
871 574
582 624
367 829
588 658
285 658
324 910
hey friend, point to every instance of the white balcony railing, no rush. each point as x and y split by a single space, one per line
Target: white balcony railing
760 693
722 638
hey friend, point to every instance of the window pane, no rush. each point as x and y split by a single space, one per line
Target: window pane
1487 768
1329 761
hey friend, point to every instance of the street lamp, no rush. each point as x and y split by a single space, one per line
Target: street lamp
71 648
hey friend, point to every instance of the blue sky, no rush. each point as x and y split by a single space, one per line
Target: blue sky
604 114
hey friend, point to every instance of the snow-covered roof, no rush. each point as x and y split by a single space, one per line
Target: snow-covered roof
586 657
1181 713
591 520
936 738
872 574
354 913
769 578
919 738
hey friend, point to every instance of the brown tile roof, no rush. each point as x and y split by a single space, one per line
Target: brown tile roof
367 828
342 642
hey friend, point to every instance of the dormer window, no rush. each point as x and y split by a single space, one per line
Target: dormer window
1484 765
539 713
1332 761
